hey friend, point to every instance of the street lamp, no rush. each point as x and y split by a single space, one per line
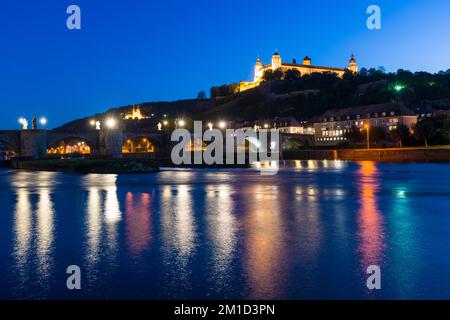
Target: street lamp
43 121
111 123
222 124
368 135
210 125
180 123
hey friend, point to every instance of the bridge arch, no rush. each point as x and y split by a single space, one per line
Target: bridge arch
10 140
8 146
139 143
70 144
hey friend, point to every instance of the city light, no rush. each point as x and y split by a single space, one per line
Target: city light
43 121
222 125
111 123
165 122
399 87
266 126
368 135
181 123
92 122
210 125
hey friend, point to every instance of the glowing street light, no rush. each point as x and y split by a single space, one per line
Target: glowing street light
165 122
368 135
210 125
92 122
266 126
111 123
222 125
43 121
180 123
399 87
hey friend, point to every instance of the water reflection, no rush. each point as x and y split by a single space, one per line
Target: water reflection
179 235
138 222
22 231
265 252
103 214
94 224
41 219
222 230
45 226
370 220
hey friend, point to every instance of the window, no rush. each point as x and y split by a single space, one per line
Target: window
392 113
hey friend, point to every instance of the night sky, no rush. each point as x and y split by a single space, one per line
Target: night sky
136 51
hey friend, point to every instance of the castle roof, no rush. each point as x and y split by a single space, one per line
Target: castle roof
311 67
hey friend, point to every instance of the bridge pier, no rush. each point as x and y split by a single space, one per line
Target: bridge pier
33 143
110 143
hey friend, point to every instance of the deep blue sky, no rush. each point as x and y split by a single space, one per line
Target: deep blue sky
135 51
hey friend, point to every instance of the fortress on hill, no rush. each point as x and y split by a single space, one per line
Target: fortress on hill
305 67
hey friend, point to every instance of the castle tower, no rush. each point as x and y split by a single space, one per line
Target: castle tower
352 66
276 61
307 61
258 70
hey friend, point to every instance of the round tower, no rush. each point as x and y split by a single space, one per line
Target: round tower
352 66
276 61
258 70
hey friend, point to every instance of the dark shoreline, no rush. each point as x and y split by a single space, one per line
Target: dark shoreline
131 165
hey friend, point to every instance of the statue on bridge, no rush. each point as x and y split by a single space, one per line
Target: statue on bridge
34 123
24 123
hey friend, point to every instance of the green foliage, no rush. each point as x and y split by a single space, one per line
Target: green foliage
224 90
202 95
354 135
400 134
425 130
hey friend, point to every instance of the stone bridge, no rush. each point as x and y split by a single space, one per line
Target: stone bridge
34 143
107 142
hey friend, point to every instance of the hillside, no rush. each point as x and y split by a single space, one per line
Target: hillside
302 98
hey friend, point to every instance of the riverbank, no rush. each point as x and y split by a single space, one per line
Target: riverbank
87 165
379 155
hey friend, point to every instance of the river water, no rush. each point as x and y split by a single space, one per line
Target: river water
309 232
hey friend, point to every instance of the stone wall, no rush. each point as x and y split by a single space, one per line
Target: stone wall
394 155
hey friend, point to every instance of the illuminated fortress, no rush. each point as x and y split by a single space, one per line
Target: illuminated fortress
304 68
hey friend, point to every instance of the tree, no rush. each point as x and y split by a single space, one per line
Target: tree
399 134
377 134
292 74
224 90
202 95
425 130
354 135
270 75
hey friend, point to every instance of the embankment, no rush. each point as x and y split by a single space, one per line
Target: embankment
381 155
